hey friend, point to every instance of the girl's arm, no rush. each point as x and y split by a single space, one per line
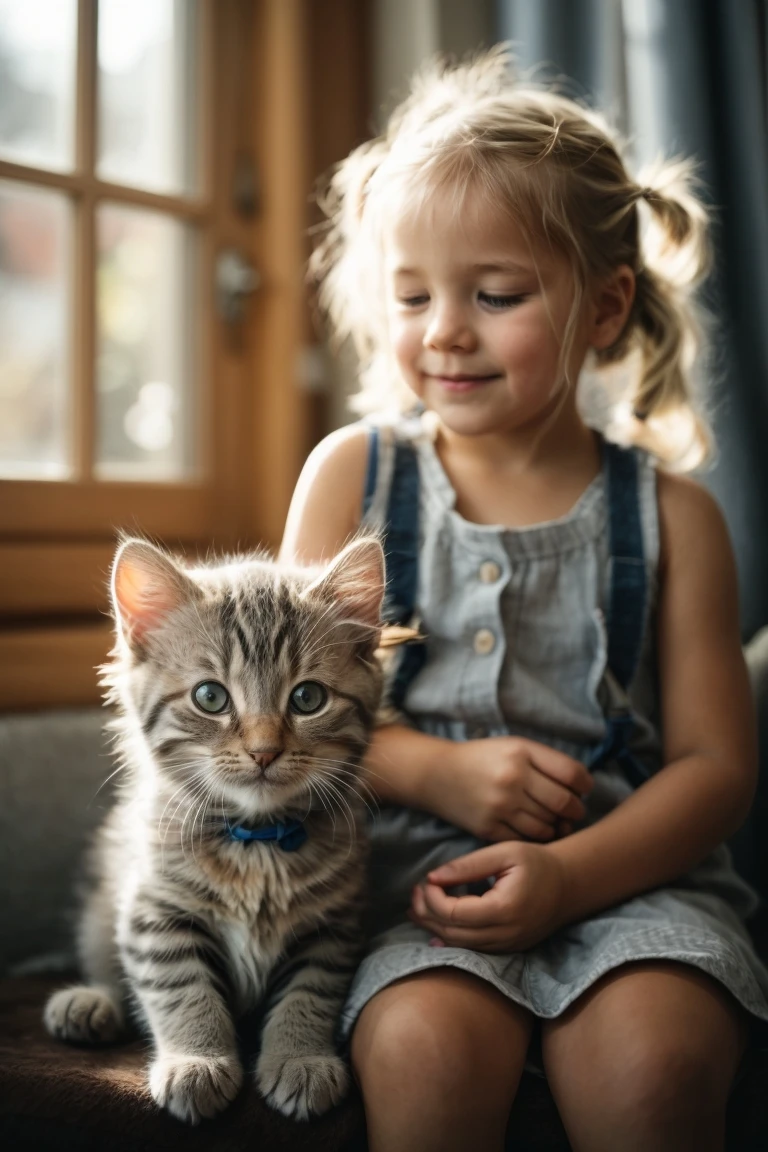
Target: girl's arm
501 788
704 792
327 502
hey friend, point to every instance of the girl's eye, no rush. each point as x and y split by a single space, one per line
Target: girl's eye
412 301
308 697
211 697
500 302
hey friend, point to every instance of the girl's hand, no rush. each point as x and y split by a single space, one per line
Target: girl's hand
508 788
526 903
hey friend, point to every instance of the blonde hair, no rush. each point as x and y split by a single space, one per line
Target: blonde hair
556 168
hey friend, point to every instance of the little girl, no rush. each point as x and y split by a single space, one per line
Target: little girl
575 737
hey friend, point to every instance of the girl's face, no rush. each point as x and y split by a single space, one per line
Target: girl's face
477 317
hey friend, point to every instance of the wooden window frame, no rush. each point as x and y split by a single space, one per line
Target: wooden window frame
57 537
84 507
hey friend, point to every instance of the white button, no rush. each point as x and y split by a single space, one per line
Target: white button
489 572
484 642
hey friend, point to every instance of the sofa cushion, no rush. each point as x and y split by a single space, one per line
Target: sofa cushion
53 766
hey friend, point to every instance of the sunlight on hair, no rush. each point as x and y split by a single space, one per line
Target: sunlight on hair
557 170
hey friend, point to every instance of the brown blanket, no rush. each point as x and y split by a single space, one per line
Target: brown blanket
54 1096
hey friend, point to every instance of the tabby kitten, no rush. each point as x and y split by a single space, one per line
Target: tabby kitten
230 871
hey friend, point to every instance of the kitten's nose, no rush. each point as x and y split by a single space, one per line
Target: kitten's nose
264 756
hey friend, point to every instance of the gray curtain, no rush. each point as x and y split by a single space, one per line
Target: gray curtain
689 76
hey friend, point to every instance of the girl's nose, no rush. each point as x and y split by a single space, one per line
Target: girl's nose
448 328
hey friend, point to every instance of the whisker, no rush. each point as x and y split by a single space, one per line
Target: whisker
123 767
344 804
202 792
349 779
329 808
349 784
189 793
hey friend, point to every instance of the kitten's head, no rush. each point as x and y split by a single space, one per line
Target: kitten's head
250 683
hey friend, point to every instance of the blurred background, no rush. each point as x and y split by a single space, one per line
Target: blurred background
160 367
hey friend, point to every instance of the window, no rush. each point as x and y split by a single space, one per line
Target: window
148 151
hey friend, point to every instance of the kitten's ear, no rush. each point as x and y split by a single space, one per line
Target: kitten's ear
355 580
146 587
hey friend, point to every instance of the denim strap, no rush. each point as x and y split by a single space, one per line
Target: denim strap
626 612
401 549
371 471
627 607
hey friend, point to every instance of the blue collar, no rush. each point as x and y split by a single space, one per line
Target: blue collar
290 834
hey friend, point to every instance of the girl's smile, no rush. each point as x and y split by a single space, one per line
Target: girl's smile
463 383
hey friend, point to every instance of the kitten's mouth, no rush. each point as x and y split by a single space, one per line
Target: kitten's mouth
272 772
253 775
266 774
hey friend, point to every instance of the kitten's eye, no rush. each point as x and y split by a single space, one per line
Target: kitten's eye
308 697
211 697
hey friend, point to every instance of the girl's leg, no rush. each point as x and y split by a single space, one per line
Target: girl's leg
645 1059
438 1056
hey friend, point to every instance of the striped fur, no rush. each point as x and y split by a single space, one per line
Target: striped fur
185 929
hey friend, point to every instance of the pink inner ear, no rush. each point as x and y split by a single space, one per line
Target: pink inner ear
363 602
355 579
361 589
143 598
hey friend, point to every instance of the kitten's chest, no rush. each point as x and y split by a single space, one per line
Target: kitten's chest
267 898
255 889
251 956
255 914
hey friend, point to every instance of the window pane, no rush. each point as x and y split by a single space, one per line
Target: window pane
145 345
37 81
35 229
648 94
147 84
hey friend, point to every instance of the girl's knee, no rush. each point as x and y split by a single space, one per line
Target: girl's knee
404 1037
438 1057
663 1080
649 1051
428 1029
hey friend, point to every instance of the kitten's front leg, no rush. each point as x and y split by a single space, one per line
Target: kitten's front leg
175 970
299 1071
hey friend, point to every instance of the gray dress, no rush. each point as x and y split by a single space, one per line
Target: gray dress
517 645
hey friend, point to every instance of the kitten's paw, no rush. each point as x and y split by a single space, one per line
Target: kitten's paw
302 1086
83 1015
192 1087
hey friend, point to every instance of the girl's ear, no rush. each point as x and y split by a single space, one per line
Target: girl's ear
611 306
146 587
355 581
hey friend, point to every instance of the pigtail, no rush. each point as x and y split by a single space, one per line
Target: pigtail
666 323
